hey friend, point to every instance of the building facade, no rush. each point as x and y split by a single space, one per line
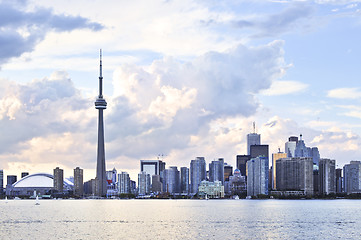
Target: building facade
171 180
211 189
352 177
241 163
143 183
327 176
58 179
252 139
216 171
123 183
275 157
78 182
184 180
257 178
198 173
295 174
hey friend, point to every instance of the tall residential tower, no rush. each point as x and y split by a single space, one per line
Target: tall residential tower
101 104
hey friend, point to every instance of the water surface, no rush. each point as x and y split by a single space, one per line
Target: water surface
180 219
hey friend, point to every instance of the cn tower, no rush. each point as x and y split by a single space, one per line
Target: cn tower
101 104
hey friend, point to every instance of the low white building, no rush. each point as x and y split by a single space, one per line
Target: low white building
211 189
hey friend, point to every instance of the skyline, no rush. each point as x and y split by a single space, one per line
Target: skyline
182 78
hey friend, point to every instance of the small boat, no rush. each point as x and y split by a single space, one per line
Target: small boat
206 197
6 199
236 197
37 200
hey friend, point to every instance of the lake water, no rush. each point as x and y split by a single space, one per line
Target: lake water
180 219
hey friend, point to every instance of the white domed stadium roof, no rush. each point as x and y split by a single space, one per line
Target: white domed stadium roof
43 180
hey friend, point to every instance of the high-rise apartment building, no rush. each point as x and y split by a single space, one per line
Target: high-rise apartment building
275 157
198 173
123 183
295 174
78 182
171 180
58 179
257 178
339 179
327 176
352 177
216 171
242 163
184 180
157 185
143 183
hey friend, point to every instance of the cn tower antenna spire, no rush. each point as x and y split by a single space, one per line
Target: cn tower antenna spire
100 76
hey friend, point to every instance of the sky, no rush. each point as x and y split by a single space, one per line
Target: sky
182 79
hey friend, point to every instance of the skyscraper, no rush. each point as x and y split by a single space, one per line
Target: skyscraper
295 174
327 176
216 171
78 182
58 179
290 146
184 184
352 177
228 171
152 167
123 182
101 104
198 173
242 163
275 157
171 180
257 178
143 183
339 188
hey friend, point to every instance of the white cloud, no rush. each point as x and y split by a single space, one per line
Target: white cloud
284 88
345 93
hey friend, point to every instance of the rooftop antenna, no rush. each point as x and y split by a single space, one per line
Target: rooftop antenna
254 127
279 149
300 136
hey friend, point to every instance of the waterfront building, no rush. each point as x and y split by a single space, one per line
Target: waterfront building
152 167
290 146
242 163
352 177
171 180
112 189
1 182
198 173
339 180
327 176
41 183
90 187
295 174
123 183
58 179
211 189
275 157
157 185
78 182
184 180
257 176
143 183
133 187
100 105
216 170
228 171
24 174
